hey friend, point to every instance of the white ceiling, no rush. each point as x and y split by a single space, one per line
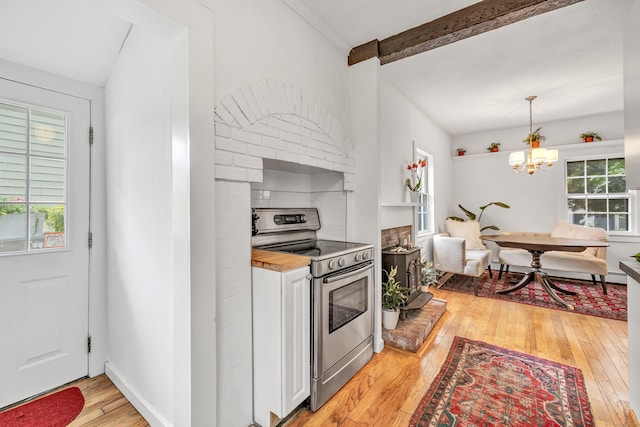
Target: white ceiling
570 58
71 38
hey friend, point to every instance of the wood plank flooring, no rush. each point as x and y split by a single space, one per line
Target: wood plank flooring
387 391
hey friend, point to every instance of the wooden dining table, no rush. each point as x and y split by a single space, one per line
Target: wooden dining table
536 246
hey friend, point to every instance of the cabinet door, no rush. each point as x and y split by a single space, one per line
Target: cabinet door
296 333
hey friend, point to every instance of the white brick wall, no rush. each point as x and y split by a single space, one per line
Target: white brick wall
274 120
233 305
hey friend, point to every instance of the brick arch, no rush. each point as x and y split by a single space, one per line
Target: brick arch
275 120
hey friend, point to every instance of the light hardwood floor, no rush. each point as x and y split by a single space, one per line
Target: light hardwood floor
388 389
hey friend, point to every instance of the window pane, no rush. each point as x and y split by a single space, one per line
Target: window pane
575 185
619 222
617 167
578 219
597 205
13 177
597 167
13 228
577 205
617 184
47 180
13 128
596 185
47 227
618 205
575 168
47 133
599 220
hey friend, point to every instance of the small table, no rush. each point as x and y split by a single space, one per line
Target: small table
536 246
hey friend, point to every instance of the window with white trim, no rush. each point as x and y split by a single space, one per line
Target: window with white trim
424 209
596 194
33 164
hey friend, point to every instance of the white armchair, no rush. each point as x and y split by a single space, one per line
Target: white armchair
461 251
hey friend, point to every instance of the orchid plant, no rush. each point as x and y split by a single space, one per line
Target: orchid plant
414 181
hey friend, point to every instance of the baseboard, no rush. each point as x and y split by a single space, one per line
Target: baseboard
633 420
142 405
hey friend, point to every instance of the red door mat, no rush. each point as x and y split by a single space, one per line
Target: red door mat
55 410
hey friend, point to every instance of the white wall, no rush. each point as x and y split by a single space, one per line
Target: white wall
632 152
610 126
401 123
139 217
259 41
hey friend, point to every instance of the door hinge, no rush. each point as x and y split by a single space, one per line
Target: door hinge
90 240
89 344
91 135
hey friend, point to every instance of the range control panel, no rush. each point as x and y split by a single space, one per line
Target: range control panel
289 219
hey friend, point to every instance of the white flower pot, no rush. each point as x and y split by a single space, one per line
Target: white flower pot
390 319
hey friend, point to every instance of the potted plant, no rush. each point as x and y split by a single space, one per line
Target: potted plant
590 136
494 147
461 151
473 217
393 296
534 138
428 275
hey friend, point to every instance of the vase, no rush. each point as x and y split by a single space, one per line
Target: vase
414 196
390 318
588 139
535 144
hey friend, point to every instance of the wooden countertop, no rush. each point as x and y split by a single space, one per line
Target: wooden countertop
277 261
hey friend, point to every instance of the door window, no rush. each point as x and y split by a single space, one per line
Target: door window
33 165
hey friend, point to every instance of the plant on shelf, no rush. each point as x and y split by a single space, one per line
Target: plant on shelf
473 217
429 275
590 136
414 181
461 151
393 297
534 138
494 147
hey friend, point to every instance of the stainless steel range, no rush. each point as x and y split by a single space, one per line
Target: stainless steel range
341 297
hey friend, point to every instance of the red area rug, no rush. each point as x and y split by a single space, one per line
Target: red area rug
588 300
484 385
55 410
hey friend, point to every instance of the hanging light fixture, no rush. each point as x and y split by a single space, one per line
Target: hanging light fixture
537 158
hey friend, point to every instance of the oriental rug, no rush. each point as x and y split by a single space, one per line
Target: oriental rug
484 385
54 410
589 298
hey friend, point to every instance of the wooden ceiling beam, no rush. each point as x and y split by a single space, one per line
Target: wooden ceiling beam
476 19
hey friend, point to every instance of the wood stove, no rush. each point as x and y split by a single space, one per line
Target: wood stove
409 263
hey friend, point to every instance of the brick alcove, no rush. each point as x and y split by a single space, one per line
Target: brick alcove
274 120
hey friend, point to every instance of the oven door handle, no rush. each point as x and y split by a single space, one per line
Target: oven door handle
345 275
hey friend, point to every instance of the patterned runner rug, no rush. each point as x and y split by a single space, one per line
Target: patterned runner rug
484 385
588 300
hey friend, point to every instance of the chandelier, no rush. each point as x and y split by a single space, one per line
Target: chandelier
537 158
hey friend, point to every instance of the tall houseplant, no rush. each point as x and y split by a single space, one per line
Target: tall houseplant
473 217
393 296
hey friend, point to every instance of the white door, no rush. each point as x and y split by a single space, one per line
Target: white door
44 225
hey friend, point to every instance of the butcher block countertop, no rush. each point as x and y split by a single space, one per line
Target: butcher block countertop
277 261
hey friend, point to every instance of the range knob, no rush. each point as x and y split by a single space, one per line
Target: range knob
303 219
358 257
341 262
332 264
365 255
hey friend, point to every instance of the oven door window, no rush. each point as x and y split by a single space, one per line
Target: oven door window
347 303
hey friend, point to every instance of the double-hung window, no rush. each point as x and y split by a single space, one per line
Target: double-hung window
424 208
596 194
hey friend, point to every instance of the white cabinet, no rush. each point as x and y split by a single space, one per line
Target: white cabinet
281 342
